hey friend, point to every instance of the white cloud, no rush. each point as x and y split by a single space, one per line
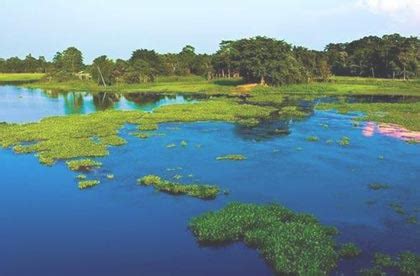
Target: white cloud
403 11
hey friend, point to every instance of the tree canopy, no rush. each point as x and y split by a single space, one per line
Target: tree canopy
256 60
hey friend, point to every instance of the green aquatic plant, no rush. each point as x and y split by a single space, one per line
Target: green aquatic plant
411 220
378 186
330 141
184 143
292 243
148 127
232 157
171 146
383 260
312 139
81 176
88 136
110 176
397 208
83 164
195 190
349 250
86 184
344 141
142 135
373 271
409 263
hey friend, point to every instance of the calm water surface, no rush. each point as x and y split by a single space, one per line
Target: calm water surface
18 104
49 227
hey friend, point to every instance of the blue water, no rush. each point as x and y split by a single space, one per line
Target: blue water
49 227
18 104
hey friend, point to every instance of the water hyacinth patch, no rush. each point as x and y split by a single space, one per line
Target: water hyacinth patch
378 186
110 176
349 250
81 177
87 136
344 141
232 157
407 263
292 243
312 139
194 190
83 164
86 184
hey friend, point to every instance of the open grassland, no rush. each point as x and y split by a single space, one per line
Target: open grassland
165 85
199 85
349 86
20 77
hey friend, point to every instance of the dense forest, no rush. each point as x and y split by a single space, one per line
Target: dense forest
256 60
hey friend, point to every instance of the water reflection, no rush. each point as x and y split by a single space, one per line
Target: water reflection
25 105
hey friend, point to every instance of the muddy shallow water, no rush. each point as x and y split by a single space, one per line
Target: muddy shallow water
49 227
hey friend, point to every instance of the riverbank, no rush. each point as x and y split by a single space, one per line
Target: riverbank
194 84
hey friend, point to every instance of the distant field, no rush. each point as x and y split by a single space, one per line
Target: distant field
20 77
195 84
350 86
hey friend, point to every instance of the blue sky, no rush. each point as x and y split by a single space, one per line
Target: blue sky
115 28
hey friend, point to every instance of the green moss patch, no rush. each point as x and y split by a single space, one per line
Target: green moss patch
312 139
292 243
194 190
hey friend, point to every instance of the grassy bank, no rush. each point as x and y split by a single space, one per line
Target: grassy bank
343 86
20 77
165 85
195 84
404 114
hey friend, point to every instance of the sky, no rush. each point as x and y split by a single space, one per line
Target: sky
117 27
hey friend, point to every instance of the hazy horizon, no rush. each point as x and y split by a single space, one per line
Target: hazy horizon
115 29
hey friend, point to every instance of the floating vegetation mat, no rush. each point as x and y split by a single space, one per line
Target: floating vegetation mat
86 184
83 165
232 157
75 136
407 263
194 190
292 243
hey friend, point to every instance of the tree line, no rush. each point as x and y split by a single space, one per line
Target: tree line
256 60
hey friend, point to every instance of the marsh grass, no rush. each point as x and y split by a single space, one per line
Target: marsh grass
294 244
20 77
195 190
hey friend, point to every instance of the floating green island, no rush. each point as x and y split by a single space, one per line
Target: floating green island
83 164
232 157
194 190
295 244
86 184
